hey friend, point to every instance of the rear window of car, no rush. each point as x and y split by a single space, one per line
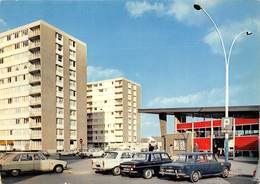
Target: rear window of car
111 155
126 155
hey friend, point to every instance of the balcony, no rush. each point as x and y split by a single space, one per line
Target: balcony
34 124
60 126
34 79
73 137
35 101
34 45
34 33
120 96
59 83
34 68
60 136
37 135
34 57
59 71
119 108
35 112
36 90
36 146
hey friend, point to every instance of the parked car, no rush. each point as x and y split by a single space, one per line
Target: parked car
256 174
91 153
15 163
195 165
111 161
145 164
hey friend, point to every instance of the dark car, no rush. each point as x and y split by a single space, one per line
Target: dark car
145 164
195 165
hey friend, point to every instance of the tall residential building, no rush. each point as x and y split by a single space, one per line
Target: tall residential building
112 112
42 89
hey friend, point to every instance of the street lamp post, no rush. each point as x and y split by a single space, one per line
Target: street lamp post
227 61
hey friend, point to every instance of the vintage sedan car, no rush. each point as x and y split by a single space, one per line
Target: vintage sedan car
145 164
111 161
15 163
91 153
195 165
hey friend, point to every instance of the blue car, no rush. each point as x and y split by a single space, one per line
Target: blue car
196 165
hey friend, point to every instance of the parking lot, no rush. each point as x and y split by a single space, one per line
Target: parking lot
80 172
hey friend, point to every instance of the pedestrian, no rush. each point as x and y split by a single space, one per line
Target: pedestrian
150 147
196 147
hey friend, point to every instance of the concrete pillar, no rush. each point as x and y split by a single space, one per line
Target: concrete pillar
163 123
163 128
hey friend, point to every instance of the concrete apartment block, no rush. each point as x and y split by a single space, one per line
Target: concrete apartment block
42 89
112 112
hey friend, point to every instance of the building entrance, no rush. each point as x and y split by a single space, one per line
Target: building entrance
218 146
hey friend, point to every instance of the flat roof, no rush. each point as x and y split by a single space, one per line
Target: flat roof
249 111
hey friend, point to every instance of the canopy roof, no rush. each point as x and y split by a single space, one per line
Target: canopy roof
250 111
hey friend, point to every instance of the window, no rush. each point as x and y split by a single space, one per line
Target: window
16 35
1 60
17 46
59 47
25 43
9 80
126 155
165 156
179 145
9 101
8 37
156 157
9 69
59 36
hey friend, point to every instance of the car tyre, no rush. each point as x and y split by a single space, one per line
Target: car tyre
195 176
225 173
15 172
116 171
148 173
58 169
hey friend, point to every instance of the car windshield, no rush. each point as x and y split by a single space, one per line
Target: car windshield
140 156
111 155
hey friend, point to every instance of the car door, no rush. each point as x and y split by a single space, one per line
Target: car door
25 162
156 161
202 164
40 162
215 167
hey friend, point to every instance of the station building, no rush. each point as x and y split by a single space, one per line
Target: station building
206 134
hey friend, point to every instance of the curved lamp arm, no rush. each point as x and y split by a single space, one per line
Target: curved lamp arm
234 41
219 34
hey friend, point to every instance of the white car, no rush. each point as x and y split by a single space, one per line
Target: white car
256 174
112 161
15 163
91 153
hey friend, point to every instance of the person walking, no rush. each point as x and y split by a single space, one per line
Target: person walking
150 147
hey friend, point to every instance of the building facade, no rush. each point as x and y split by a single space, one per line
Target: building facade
42 89
112 112
200 129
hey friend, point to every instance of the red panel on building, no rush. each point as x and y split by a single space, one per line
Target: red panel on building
204 144
182 126
217 123
246 143
242 121
204 124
